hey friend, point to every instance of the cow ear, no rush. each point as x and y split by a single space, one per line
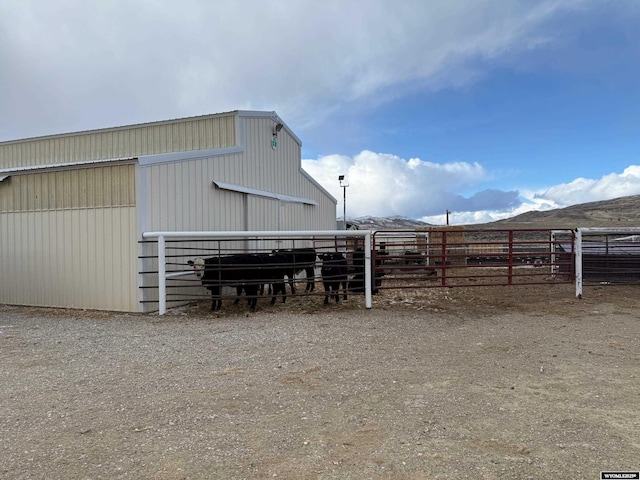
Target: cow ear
190 262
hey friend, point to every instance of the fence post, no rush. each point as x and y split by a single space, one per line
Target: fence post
162 276
578 262
367 270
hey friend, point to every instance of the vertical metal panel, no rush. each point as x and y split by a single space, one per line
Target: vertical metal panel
198 133
80 188
181 196
79 258
279 171
264 214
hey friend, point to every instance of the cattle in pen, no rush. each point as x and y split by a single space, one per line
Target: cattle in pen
299 260
357 283
245 272
335 275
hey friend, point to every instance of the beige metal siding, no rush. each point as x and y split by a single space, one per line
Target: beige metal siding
78 258
111 186
68 238
279 171
199 133
181 196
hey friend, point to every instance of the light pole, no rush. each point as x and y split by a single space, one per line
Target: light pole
344 186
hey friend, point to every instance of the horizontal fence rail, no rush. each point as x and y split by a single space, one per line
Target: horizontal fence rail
380 260
175 248
607 256
466 257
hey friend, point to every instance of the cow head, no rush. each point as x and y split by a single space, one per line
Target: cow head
198 266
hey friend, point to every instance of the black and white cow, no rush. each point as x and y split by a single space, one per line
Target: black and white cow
335 273
300 259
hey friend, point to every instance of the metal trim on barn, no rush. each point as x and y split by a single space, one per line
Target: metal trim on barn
73 206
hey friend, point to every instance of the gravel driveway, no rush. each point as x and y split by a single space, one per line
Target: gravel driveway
484 383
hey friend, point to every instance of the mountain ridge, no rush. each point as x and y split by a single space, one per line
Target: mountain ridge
617 212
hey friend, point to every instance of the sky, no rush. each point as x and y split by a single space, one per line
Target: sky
483 108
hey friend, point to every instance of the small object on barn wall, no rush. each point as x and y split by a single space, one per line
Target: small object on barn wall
274 137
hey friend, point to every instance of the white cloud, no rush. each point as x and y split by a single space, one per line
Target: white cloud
383 185
582 190
72 64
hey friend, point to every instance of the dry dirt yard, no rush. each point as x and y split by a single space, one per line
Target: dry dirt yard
477 383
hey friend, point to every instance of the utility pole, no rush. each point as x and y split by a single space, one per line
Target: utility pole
344 186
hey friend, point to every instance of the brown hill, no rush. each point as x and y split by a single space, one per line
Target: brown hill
619 212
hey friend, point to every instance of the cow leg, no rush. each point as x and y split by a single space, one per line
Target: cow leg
282 288
239 289
327 292
279 288
344 292
311 284
273 297
252 295
216 301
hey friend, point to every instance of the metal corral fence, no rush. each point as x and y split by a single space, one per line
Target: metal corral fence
169 253
609 256
458 257
377 260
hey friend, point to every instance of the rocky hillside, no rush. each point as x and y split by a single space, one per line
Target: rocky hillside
619 212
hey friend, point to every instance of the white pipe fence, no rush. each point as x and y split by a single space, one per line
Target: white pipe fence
580 232
253 235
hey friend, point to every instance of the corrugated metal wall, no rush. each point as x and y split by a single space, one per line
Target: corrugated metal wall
77 258
199 133
110 186
279 171
68 239
181 196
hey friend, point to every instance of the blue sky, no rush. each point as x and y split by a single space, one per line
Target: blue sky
486 108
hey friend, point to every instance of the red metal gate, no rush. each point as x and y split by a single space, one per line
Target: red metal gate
457 257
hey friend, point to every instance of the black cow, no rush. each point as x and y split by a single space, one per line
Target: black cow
300 259
335 273
271 271
245 272
357 283
228 271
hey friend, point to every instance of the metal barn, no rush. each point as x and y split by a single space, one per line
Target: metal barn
73 207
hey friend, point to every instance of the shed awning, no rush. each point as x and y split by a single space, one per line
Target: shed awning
262 193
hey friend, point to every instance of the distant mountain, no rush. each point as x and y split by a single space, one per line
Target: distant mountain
395 222
618 212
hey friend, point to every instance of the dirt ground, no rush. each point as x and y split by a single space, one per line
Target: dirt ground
478 383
